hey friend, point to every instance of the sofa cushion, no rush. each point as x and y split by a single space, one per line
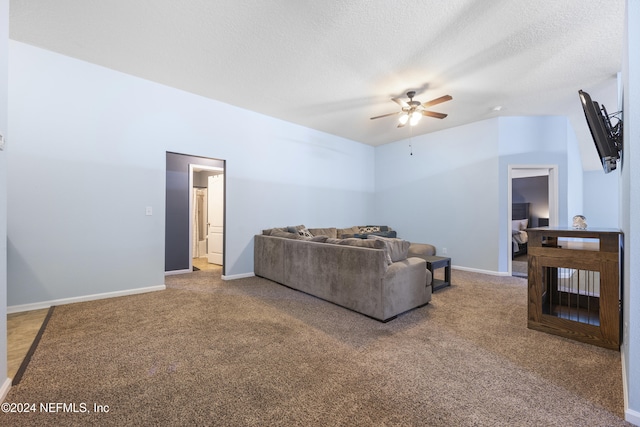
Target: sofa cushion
296 236
373 244
286 234
344 233
330 232
268 231
398 249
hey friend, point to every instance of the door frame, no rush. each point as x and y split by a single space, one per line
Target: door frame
195 167
531 170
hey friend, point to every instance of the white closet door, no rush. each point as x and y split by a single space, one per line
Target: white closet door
215 234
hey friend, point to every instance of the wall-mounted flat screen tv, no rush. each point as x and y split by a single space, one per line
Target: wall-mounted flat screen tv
607 138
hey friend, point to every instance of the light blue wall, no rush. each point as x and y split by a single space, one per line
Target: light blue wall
88 156
87 152
575 187
445 193
601 199
452 192
629 211
4 55
530 141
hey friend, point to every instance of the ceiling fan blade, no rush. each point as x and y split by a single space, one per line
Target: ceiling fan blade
434 114
437 101
400 102
386 115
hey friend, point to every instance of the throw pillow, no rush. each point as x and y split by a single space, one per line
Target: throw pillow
398 248
321 239
300 230
369 229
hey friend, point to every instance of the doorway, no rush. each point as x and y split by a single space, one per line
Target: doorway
179 216
537 212
206 221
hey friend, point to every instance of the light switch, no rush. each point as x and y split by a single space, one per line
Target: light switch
149 211
1 141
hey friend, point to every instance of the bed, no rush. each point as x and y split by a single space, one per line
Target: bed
519 224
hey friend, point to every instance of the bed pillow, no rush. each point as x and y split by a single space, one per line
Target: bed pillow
519 224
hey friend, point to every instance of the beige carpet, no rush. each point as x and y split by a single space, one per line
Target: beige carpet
519 266
252 352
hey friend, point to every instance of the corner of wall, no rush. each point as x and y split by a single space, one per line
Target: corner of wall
4 88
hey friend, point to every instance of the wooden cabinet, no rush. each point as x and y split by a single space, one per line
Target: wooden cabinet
574 284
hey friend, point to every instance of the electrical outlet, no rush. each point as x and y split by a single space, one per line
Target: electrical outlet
444 251
149 211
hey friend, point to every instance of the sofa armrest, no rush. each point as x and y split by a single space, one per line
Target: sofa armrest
421 250
269 257
406 285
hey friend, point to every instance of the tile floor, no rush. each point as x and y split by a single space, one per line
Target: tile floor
22 329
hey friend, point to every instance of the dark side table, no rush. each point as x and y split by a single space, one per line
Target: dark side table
435 262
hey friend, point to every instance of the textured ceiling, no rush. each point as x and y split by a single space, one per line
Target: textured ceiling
330 65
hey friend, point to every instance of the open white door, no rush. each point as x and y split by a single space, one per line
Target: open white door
215 234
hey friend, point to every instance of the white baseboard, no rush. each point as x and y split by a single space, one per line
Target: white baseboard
632 417
172 272
237 276
4 390
62 301
477 270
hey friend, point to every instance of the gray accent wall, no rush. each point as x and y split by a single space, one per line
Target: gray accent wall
535 191
177 238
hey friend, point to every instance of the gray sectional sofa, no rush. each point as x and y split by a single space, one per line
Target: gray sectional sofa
372 276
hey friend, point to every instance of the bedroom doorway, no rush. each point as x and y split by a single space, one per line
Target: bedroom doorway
206 221
532 202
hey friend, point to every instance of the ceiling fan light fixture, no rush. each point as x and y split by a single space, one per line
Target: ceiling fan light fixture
415 118
413 111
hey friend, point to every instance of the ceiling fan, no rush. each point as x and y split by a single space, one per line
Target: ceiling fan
413 111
